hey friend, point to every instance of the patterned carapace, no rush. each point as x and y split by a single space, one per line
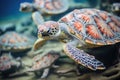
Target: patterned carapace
94 26
44 62
52 6
15 41
7 61
45 6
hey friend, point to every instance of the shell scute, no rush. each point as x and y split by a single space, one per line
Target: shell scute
84 18
115 20
57 4
81 16
114 27
39 2
67 18
93 32
103 27
79 26
49 6
103 15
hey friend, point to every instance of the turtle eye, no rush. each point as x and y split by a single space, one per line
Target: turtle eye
24 8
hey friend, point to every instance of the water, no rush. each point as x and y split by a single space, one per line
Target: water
24 58
11 8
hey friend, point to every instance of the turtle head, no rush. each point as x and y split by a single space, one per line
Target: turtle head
115 7
49 30
26 7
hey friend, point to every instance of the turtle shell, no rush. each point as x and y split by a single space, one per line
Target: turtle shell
13 41
52 6
40 62
93 26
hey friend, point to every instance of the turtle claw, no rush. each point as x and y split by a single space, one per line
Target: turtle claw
83 58
97 65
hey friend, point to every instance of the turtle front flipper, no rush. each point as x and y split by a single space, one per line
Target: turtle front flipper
37 18
83 58
39 42
45 73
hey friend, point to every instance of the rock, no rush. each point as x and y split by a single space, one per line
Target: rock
7 27
26 26
66 69
26 22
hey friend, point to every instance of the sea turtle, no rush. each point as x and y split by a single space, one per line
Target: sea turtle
7 61
9 64
115 8
44 63
83 29
13 41
45 7
41 63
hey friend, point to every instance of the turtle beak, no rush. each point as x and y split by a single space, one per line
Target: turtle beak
23 8
39 35
44 35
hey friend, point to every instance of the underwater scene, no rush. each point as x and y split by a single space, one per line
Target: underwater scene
60 40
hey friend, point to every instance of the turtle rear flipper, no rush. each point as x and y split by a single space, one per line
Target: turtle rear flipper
83 58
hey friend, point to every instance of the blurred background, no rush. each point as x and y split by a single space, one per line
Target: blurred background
11 8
